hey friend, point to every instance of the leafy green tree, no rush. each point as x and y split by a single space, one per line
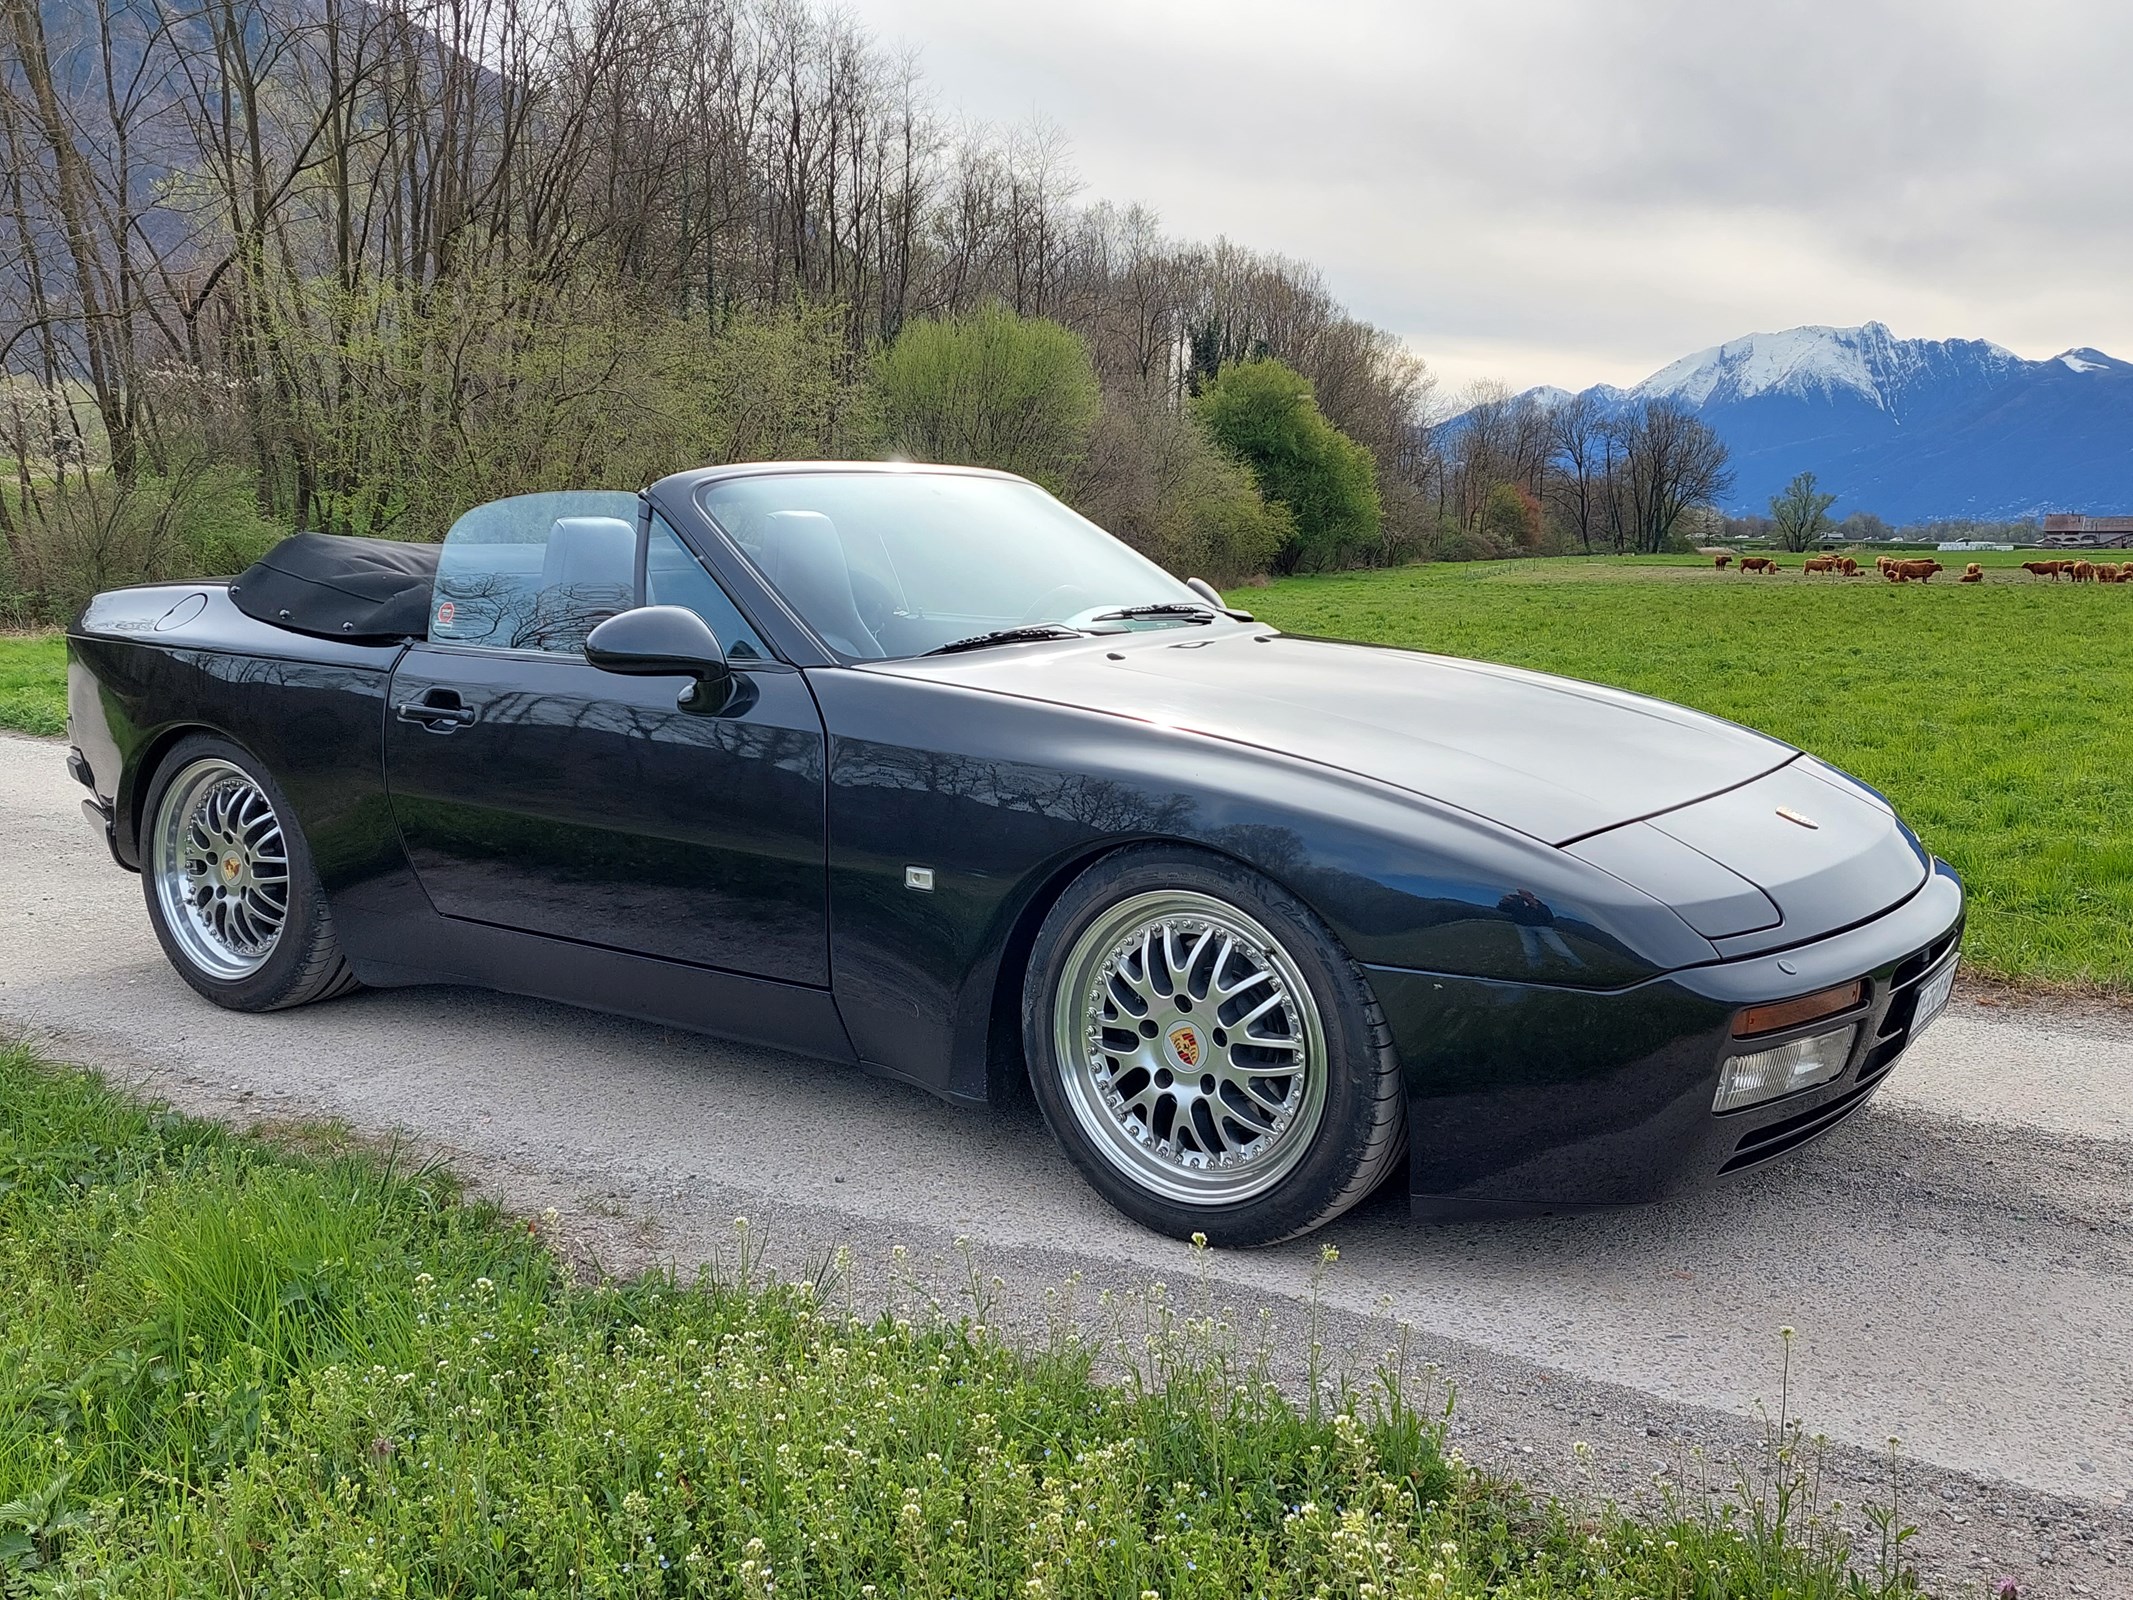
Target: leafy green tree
990 389
1801 513
1262 412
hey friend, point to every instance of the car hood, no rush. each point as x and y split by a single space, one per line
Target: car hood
1553 758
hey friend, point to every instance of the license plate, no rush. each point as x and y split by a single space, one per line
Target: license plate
1932 996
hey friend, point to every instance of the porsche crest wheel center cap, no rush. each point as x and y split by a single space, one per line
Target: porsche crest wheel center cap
1185 1046
220 865
1191 1047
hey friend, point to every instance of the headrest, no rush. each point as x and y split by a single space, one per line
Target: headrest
805 561
586 552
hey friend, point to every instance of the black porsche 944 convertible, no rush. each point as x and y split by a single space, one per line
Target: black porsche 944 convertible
913 767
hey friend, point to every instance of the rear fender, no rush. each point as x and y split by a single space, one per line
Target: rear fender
148 666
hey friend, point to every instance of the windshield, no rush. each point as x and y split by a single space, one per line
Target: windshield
884 565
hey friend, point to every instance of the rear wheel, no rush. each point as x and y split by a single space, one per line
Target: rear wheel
1206 1052
231 890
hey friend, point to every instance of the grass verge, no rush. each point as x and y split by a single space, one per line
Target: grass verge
33 683
1992 714
230 1369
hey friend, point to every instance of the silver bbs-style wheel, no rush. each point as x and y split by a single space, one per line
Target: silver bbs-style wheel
220 864
1190 1047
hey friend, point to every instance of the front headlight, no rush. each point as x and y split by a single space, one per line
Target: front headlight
1784 1069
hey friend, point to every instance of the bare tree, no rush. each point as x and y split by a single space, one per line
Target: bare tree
1668 460
1576 433
385 256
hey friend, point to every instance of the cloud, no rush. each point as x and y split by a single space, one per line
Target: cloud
1575 190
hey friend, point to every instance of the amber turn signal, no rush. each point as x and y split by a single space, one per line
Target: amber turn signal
1791 1013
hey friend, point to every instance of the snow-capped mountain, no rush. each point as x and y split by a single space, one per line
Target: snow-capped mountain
1833 364
1913 429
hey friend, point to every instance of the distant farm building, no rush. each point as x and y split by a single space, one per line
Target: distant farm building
2072 531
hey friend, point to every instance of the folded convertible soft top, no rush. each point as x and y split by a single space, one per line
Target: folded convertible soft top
366 590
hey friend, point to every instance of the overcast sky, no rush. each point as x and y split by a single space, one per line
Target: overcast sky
1571 191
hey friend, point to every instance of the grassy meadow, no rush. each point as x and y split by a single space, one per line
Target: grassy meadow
33 683
237 1368
1997 716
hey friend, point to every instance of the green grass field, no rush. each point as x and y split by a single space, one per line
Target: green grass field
1997 716
33 682
235 1369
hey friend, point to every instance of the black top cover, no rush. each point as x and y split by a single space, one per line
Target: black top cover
363 590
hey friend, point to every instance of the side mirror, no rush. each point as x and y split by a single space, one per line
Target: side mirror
664 642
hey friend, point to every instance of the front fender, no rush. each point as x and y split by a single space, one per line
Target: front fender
1001 799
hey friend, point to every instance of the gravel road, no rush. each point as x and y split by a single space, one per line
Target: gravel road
1958 1260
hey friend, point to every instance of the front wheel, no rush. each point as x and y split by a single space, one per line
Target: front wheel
231 890
1206 1052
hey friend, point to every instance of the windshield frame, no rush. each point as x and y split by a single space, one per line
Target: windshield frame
797 630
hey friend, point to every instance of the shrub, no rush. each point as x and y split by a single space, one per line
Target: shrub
990 389
1154 478
1262 413
78 538
766 386
1511 517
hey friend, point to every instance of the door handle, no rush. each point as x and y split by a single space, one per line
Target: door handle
439 711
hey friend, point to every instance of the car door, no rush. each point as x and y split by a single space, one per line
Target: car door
536 792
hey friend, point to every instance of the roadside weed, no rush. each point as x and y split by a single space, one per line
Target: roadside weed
230 1370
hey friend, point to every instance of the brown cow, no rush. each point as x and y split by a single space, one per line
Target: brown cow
1756 563
1819 564
2107 572
2044 569
1849 566
1920 571
2084 572
1973 573
1894 573
1721 562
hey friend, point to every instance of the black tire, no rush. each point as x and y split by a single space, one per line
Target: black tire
1361 1130
305 962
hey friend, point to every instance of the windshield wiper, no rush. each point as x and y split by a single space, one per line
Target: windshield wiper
1029 631
1170 608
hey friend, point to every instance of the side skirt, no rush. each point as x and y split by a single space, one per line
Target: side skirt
428 948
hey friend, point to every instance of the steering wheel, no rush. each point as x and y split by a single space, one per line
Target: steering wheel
1055 604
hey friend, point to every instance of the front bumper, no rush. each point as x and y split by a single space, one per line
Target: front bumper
1526 1099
